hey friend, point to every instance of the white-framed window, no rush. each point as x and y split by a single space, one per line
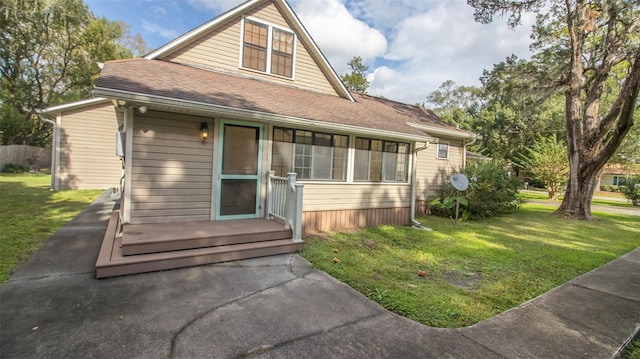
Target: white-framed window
312 155
380 161
267 48
619 180
443 150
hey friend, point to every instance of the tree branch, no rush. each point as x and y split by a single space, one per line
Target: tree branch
622 111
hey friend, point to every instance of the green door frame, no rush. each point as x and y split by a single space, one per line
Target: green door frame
221 177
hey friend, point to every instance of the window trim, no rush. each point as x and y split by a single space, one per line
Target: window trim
270 27
438 150
313 144
407 166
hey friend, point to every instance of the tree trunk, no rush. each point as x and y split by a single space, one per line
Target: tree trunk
577 197
591 142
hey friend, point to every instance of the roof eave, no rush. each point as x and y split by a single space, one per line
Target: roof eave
70 105
437 131
181 40
257 115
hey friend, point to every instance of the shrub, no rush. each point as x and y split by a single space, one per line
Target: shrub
547 160
491 191
11 168
632 190
603 188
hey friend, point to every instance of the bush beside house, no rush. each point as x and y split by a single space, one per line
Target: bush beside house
492 191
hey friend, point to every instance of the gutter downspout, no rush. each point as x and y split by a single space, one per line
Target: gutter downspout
414 179
55 149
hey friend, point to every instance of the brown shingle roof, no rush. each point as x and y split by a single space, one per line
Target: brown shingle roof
170 80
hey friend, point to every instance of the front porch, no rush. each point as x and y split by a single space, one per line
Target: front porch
146 248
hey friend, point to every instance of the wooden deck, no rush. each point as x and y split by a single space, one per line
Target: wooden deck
147 248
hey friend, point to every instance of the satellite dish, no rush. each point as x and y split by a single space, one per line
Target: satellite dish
459 181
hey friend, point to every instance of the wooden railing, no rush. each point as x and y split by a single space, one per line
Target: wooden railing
284 202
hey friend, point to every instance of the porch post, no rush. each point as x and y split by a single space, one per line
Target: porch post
297 228
269 194
128 164
291 199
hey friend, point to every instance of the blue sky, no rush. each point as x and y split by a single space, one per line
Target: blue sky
410 46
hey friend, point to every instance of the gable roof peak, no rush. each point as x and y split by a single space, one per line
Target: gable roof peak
286 11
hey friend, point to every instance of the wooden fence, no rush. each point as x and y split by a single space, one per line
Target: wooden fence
32 157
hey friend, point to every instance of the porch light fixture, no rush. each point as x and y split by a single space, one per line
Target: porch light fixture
204 131
142 109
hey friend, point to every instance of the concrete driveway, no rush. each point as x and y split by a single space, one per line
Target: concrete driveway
279 307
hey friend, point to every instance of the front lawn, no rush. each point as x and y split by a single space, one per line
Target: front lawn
459 275
30 213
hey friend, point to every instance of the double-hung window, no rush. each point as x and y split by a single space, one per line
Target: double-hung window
443 150
380 161
268 49
312 155
254 52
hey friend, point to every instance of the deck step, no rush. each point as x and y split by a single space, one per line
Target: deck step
111 262
157 238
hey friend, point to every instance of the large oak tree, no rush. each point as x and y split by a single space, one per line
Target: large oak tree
594 43
49 54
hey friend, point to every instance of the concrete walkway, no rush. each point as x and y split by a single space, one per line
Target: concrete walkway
279 307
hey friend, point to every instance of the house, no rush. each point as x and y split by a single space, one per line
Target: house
242 123
617 174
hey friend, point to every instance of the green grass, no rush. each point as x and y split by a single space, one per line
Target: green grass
632 351
474 270
30 213
542 196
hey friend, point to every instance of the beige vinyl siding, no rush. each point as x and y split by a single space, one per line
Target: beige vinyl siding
88 148
431 171
171 170
324 197
220 50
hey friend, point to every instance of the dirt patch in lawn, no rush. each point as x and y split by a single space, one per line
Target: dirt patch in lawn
463 280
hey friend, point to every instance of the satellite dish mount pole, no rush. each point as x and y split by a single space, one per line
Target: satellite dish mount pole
457 203
460 182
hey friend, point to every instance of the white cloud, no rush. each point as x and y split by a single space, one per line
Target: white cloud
385 14
158 10
338 34
156 29
444 43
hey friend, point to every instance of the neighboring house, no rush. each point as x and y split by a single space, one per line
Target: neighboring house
618 174
207 115
475 157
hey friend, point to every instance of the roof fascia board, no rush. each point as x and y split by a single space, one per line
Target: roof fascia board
71 105
181 40
444 132
258 115
316 53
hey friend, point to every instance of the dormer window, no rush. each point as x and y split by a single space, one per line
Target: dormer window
266 44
